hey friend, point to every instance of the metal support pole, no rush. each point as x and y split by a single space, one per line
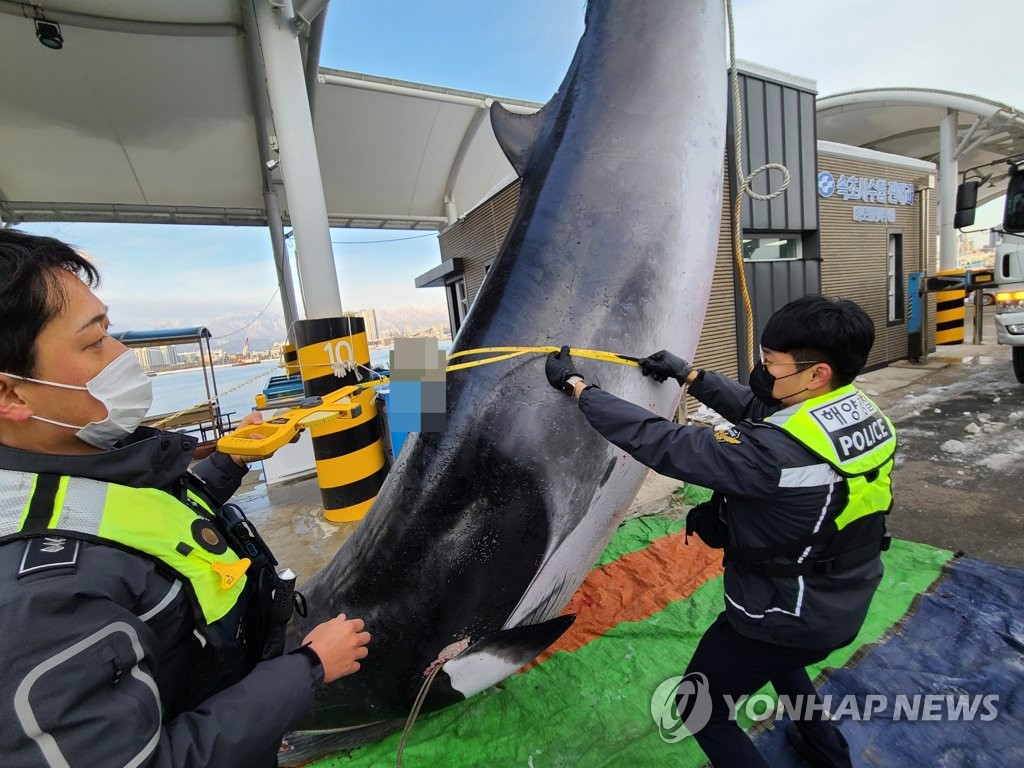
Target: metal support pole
924 266
979 316
281 261
300 166
258 95
948 177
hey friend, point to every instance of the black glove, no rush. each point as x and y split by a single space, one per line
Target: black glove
707 522
662 365
558 368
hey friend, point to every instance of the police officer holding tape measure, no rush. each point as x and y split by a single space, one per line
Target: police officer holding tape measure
801 489
143 617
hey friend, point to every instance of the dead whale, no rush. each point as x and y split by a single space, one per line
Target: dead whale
481 533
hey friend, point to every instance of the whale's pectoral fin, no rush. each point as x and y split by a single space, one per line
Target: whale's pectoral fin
494 657
516 134
302 747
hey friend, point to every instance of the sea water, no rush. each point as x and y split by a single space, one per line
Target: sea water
237 385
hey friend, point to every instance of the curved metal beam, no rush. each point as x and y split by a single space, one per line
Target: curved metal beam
450 210
369 83
312 69
875 143
986 134
914 97
31 210
109 24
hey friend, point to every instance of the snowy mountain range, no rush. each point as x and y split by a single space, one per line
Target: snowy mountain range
230 331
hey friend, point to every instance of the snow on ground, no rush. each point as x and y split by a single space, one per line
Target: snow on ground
987 438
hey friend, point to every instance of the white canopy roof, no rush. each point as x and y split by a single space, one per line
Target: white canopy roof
905 121
146 115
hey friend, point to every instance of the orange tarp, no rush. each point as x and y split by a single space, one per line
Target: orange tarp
636 586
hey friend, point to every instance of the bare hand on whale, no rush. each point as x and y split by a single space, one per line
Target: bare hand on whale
340 643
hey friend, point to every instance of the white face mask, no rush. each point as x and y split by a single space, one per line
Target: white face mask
123 387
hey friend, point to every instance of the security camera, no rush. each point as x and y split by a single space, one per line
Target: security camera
272 164
49 34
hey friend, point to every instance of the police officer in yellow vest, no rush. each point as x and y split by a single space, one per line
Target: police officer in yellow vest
801 488
142 615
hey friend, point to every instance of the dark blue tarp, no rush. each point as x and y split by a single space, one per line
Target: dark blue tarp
965 640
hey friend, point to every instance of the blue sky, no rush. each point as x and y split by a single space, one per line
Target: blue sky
515 49
521 50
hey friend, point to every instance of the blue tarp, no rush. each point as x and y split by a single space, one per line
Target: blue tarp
963 643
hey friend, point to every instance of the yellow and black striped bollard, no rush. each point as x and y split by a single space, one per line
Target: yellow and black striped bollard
949 309
350 462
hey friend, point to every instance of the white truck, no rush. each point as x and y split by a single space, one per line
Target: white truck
1008 275
1009 278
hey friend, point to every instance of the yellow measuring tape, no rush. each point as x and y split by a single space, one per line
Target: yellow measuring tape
507 353
261 440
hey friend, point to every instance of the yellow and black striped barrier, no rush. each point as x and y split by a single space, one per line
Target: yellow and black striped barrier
349 453
950 295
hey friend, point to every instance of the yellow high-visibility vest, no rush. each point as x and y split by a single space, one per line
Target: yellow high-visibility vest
848 431
148 521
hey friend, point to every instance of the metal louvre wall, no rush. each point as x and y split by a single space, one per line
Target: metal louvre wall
779 127
772 285
477 238
854 254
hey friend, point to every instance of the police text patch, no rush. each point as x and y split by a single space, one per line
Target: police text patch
854 425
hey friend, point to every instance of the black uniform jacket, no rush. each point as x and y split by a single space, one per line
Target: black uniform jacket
100 661
776 491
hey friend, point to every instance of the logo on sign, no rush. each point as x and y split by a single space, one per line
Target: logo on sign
826 184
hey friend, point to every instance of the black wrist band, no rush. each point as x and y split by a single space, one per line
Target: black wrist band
316 666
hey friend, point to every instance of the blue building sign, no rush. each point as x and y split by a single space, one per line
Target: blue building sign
865 190
861 189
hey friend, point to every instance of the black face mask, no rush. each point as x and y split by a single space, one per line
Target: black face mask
762 382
